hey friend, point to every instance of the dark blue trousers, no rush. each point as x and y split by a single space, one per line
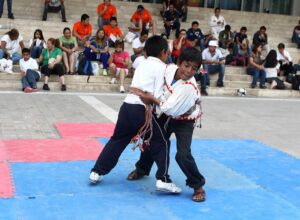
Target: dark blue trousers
130 120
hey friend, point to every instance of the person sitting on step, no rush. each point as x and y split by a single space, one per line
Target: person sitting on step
142 19
285 60
106 11
55 6
82 30
261 37
138 45
113 32
37 44
296 35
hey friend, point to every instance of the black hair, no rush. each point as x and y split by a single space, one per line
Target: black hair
195 22
25 50
84 17
271 59
144 32
182 30
190 54
243 29
155 45
66 29
163 35
263 28
113 19
254 49
281 46
227 27
40 32
216 9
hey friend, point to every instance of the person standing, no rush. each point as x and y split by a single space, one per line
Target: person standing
217 23
9 9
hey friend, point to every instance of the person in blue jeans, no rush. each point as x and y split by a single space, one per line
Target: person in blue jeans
9 9
37 44
255 67
97 50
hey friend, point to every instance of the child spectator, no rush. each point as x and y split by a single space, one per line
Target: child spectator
119 62
195 35
142 19
106 11
261 37
112 31
138 45
285 59
97 50
82 30
217 23
171 21
9 9
37 44
226 37
296 35
11 43
29 70
255 67
51 59
179 44
68 45
241 43
55 6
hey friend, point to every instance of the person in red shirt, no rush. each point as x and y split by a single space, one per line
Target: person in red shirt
142 19
105 11
82 30
119 62
112 31
180 43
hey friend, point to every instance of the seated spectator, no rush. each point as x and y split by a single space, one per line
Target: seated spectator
11 43
118 66
138 45
68 45
195 35
170 42
142 19
97 50
55 6
29 70
171 21
241 43
261 37
213 62
296 35
226 38
82 30
179 44
271 66
9 9
255 67
106 11
165 7
113 32
182 7
285 60
51 59
6 64
37 44
217 23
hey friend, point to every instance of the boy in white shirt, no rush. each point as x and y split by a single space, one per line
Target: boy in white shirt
138 45
148 77
29 69
181 110
217 23
285 59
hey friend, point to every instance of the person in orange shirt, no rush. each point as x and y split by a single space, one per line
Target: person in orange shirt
82 30
113 32
105 10
142 19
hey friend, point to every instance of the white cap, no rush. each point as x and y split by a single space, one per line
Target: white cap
213 43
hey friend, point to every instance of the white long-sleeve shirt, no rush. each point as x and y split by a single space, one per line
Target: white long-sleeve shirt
148 76
180 96
215 27
281 57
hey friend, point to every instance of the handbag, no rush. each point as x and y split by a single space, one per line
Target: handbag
50 59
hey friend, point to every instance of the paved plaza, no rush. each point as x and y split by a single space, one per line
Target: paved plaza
248 149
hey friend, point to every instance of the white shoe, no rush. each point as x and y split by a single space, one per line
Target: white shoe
104 73
95 177
113 81
167 187
122 89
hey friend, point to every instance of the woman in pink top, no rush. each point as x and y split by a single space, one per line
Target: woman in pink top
118 64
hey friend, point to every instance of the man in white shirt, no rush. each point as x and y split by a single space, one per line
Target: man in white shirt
217 23
213 62
181 109
138 45
29 69
55 6
285 59
148 77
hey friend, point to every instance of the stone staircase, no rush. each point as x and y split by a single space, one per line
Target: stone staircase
28 15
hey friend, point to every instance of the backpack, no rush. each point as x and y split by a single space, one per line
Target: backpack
296 82
84 66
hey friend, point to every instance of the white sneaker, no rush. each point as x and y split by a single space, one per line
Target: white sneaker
95 177
122 89
167 187
113 81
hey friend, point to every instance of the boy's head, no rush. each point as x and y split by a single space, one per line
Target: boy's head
113 21
195 25
281 47
144 35
262 29
26 54
189 61
157 46
243 30
227 28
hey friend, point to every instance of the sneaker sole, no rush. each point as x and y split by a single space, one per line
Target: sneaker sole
166 191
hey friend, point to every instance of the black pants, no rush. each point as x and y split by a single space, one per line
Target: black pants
183 131
55 10
58 69
175 26
286 68
130 119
